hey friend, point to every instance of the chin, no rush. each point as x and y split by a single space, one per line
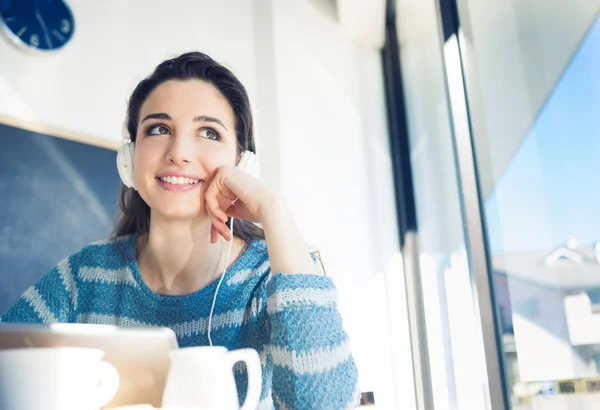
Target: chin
180 212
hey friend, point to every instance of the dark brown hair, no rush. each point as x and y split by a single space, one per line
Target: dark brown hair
134 213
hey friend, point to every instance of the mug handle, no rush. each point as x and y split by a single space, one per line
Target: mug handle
250 357
109 379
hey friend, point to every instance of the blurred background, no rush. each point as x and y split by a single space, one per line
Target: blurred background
442 156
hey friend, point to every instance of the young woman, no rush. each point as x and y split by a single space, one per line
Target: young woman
189 123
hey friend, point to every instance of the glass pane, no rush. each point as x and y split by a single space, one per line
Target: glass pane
454 341
534 96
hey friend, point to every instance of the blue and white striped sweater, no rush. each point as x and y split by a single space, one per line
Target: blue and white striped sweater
292 320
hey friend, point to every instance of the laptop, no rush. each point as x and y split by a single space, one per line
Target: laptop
140 355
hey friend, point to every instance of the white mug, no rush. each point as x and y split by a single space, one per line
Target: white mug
202 377
61 378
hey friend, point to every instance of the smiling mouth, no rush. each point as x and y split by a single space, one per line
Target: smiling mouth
179 180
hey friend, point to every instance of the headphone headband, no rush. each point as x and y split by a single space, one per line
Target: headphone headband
125 132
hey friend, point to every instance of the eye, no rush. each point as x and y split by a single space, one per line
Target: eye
210 133
157 129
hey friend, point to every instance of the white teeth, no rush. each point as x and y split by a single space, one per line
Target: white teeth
179 180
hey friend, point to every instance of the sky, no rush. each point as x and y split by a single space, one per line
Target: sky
550 190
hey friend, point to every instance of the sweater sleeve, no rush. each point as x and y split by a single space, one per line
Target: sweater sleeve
313 366
52 299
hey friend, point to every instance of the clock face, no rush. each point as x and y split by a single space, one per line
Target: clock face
43 25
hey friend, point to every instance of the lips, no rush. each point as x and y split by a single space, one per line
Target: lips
178 182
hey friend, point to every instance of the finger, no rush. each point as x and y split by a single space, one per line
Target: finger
225 191
220 229
213 234
214 208
211 215
219 226
213 205
240 211
225 232
234 183
233 212
236 211
215 201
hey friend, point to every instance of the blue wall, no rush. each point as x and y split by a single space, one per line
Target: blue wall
55 197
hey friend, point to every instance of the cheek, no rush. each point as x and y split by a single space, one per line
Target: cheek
145 159
212 160
144 168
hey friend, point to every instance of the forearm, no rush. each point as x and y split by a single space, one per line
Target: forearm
312 360
288 252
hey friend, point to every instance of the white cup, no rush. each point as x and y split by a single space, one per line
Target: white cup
63 378
202 377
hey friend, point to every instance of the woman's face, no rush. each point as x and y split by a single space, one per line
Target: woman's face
185 133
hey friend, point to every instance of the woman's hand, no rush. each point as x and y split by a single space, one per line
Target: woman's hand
232 192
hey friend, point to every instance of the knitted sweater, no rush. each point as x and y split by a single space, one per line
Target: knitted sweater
291 320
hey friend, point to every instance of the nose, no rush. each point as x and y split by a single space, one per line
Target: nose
180 150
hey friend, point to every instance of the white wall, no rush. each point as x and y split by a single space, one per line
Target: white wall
84 87
324 135
320 111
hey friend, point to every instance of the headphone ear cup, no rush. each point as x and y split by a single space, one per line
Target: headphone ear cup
125 163
249 164
255 170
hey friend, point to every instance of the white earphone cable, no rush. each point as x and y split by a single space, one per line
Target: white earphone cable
212 307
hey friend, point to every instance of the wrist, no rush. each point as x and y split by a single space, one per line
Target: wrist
273 208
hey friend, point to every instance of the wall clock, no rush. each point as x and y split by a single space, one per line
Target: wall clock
37 25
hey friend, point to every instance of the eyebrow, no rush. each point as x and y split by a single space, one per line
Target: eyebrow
158 116
200 118
203 118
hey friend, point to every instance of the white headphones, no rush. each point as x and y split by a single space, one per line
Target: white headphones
247 163
125 158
